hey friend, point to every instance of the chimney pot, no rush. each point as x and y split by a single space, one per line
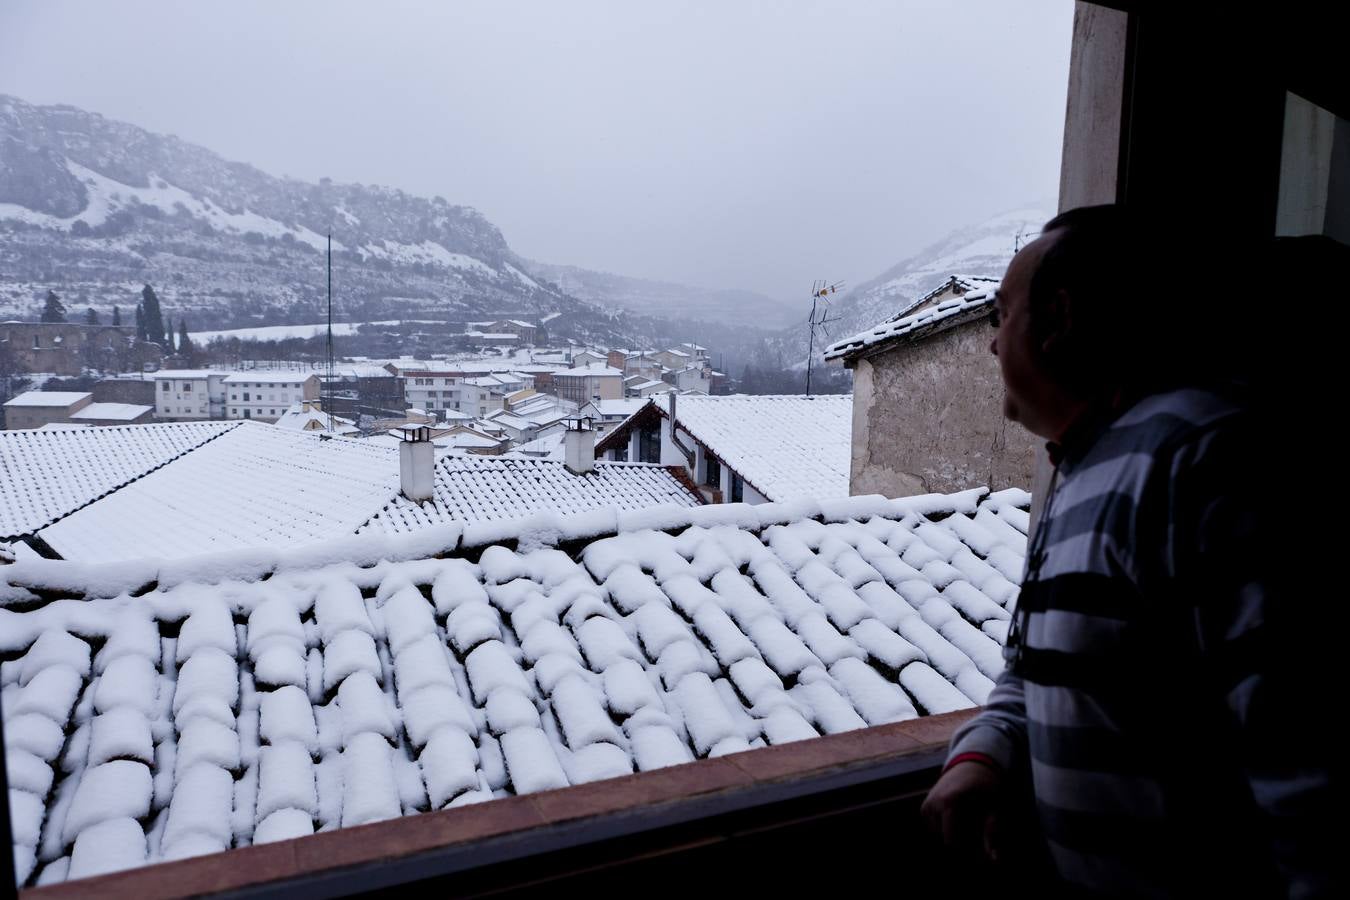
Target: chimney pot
579 445
417 464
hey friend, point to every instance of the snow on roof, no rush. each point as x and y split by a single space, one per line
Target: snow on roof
919 323
48 398
269 377
479 489
186 374
468 440
257 485
125 412
375 677
45 475
300 416
550 446
592 369
784 446
962 283
618 408
62 426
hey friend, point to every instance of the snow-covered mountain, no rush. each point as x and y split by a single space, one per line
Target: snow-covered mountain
663 298
95 208
982 249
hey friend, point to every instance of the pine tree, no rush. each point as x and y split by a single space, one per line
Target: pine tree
184 342
54 311
140 323
117 315
154 319
90 317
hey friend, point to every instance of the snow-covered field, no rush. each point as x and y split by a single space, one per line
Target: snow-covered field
282 332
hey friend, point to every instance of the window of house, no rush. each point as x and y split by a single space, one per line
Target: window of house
168 386
248 414
737 488
712 472
246 396
187 386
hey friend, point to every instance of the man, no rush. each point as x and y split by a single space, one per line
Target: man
1160 661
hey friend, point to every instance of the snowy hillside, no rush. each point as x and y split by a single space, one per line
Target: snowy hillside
94 208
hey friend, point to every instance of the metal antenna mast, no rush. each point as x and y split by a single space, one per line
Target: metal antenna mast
328 380
819 318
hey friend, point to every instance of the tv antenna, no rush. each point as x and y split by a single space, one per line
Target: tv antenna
1019 239
819 318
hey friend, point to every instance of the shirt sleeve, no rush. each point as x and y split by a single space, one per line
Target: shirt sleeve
999 732
1234 554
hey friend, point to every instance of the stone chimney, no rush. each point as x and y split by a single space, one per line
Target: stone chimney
417 464
579 446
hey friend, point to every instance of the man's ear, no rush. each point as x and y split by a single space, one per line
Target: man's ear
1058 328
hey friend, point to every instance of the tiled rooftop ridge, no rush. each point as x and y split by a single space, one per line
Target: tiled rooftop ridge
301 690
941 315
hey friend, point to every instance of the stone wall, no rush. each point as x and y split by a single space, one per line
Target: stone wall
929 417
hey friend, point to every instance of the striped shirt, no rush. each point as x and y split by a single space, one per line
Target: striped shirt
1153 686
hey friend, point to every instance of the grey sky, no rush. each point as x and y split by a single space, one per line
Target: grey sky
730 144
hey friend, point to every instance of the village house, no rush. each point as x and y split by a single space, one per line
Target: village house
605 414
265 396
588 357
595 381
308 415
183 395
928 399
113 414
33 409
739 448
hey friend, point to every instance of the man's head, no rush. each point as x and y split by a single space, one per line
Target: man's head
1069 313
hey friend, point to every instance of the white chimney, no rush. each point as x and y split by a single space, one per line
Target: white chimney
417 464
579 446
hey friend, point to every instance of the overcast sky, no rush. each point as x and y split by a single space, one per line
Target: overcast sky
755 145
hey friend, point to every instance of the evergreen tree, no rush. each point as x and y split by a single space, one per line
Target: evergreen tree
54 311
140 323
184 342
117 315
90 317
154 319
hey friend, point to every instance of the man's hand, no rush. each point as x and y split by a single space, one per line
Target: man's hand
963 808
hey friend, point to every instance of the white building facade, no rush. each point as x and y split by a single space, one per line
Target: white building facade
265 396
189 394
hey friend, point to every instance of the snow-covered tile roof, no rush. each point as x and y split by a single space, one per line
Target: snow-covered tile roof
257 485
784 446
270 377
592 370
48 398
302 417
481 489
125 412
618 408
45 475
191 707
189 374
550 446
922 322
